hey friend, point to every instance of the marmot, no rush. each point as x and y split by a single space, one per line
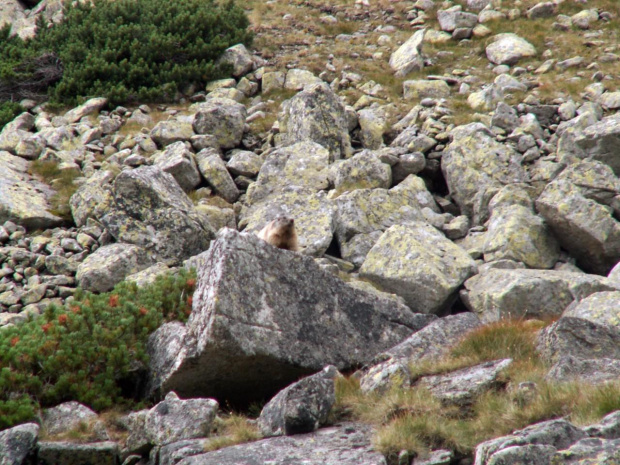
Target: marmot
280 233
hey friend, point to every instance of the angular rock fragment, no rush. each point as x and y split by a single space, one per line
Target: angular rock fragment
408 57
222 118
508 49
213 169
18 442
180 163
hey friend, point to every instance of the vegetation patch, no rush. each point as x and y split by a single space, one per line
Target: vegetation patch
232 429
413 420
61 180
82 350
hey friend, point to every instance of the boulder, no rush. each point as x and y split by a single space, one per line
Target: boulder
66 417
68 453
422 88
23 199
17 443
462 387
591 450
454 18
431 342
327 446
168 132
89 107
109 265
508 49
258 323
244 163
313 212
149 275
576 207
476 167
179 162
600 307
316 114
239 59
607 428
592 371
578 338
213 169
420 264
151 210
373 125
298 79
93 198
222 118
408 57
362 171
300 408
600 141
503 293
171 420
304 164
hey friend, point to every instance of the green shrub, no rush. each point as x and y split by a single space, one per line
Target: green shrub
126 50
81 351
8 112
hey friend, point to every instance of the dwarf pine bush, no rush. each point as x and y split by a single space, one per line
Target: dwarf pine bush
125 50
81 351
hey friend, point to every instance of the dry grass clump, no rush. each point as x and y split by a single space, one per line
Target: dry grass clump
413 420
62 181
230 430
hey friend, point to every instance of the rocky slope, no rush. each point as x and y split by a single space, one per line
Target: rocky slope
471 194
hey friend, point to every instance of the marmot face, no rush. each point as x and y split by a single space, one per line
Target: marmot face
280 233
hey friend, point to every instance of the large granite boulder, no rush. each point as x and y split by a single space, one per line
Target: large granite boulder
496 294
476 167
508 49
327 446
578 206
151 210
23 199
418 263
239 58
168 132
258 323
600 141
304 164
568 368
222 118
177 160
601 307
316 114
302 407
409 57
66 417
17 443
362 171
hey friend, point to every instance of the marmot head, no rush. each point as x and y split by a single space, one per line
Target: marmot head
284 224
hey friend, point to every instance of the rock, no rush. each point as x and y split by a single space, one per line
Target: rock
432 341
23 199
592 371
93 198
34 294
221 117
600 308
244 163
515 232
239 59
508 49
316 114
300 408
591 450
298 79
453 18
151 210
168 132
362 171
607 428
213 169
473 177
273 81
505 117
585 18
66 417
304 164
422 88
575 206
408 163
251 298
327 446
420 264
559 434
56 264
149 275
171 420
487 98
578 338
598 141
17 443
463 386
542 10
373 124
610 100
408 57
313 212
109 265
99 453
179 162
519 293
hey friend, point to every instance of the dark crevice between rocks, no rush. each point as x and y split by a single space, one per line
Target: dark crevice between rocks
29 4
334 249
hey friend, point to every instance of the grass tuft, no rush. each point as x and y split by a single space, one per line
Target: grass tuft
230 430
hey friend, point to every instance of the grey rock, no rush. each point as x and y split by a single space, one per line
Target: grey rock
89 107
419 89
149 275
222 118
453 18
591 450
109 265
487 98
58 265
599 140
600 307
213 169
592 371
578 338
519 293
328 446
298 79
373 124
542 10
463 386
244 163
508 49
239 58
316 114
408 163
168 132
505 117
362 171
408 57
228 327
179 162
92 198
172 453
66 417
607 428
300 408
539 454
17 443
67 453
420 264
585 18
